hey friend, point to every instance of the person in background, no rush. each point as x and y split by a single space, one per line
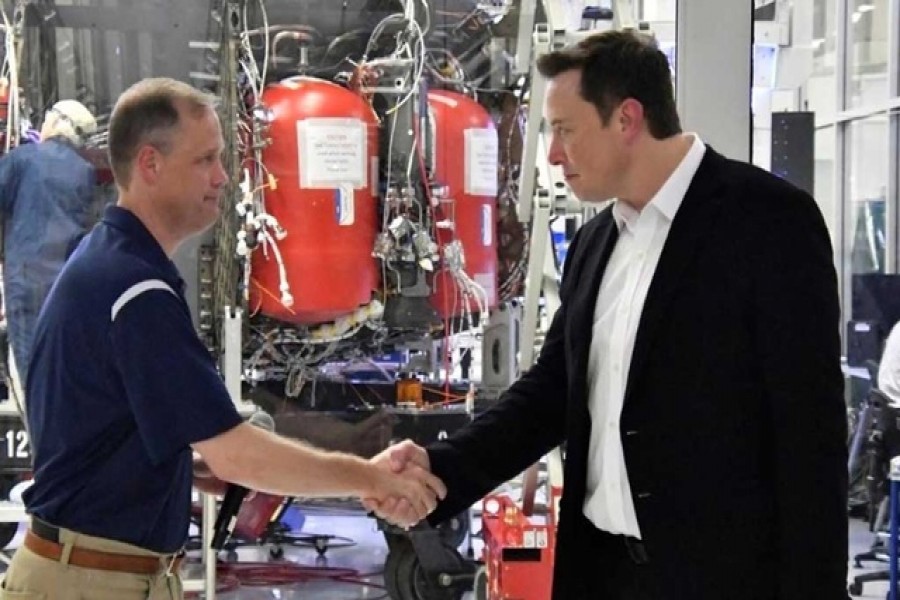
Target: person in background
889 367
46 203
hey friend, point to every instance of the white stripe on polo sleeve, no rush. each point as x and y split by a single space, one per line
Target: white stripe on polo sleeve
135 291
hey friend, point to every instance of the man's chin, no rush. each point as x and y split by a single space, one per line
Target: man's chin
587 197
206 225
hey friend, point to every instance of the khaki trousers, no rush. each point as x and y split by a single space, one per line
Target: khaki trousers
33 577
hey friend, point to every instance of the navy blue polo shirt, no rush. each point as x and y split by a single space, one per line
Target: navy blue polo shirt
119 387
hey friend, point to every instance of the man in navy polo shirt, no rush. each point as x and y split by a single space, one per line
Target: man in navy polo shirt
121 389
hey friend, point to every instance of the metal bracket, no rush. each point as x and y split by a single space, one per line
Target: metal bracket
499 349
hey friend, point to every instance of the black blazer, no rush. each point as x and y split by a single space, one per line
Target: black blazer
733 424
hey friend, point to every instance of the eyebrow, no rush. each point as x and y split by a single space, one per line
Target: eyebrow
207 151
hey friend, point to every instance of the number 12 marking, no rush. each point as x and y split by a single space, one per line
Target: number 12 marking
16 444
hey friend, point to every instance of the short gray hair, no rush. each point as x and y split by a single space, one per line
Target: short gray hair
146 113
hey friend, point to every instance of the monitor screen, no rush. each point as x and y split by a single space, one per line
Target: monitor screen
876 297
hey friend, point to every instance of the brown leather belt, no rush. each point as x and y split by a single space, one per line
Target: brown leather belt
104 561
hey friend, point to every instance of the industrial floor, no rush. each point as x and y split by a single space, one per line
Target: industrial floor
368 556
365 557
363 560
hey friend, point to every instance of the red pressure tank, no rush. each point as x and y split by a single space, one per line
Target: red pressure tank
323 150
466 157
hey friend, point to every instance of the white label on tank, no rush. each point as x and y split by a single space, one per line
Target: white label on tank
331 152
481 162
345 205
487 225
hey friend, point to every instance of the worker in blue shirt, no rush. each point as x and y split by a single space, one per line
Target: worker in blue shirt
46 199
121 389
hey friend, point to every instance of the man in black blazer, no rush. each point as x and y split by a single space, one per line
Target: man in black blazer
693 369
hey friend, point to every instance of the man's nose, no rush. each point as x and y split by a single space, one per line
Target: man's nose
220 176
555 153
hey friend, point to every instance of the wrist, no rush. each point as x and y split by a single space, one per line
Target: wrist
363 476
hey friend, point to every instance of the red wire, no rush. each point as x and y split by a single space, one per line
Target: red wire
253 574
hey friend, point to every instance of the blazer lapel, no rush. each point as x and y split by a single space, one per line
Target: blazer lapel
689 227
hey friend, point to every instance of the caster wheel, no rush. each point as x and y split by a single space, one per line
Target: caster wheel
454 530
320 543
404 578
391 586
395 539
276 553
855 588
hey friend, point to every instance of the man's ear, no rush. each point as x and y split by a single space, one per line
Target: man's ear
147 164
630 118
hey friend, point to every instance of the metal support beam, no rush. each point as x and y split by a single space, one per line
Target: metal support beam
533 128
537 249
892 199
624 14
523 41
841 182
713 74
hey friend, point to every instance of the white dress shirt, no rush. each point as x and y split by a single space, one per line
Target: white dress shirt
889 368
608 502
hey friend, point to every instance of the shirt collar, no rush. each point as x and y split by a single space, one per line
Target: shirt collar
127 222
668 198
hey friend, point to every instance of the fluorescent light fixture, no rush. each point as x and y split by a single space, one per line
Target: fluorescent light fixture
864 8
856 16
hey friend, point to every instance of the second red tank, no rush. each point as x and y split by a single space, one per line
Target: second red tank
465 161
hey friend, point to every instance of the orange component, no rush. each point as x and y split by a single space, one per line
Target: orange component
409 391
322 151
466 164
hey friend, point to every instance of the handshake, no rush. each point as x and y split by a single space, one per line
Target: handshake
404 490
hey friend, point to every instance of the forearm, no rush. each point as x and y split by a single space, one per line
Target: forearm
263 461
526 424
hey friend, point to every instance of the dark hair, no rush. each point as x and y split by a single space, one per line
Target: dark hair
615 66
147 113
